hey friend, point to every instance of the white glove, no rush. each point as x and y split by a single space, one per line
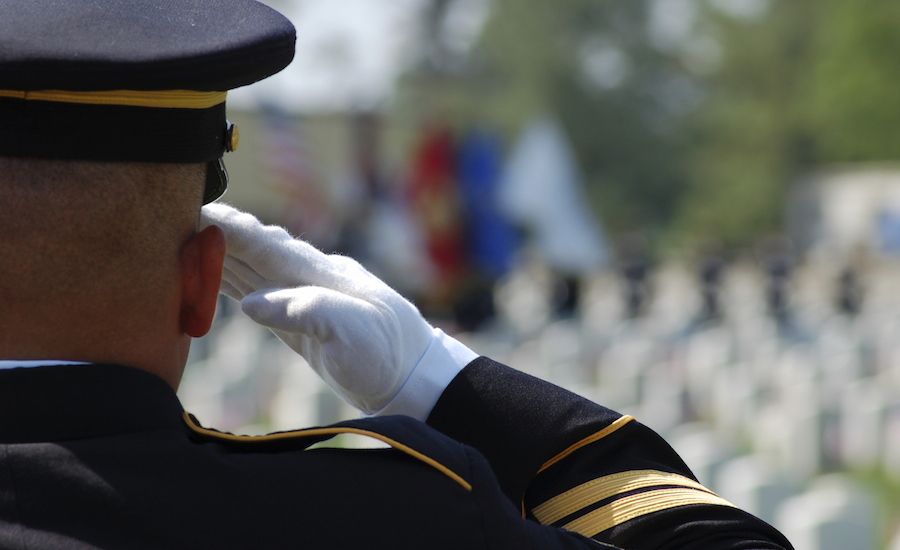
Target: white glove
366 341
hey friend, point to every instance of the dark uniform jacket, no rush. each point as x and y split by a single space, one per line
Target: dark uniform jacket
103 456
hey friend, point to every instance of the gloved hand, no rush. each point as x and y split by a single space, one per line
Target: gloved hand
366 341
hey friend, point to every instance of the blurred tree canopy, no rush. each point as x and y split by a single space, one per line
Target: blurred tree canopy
690 118
752 131
621 98
854 96
809 83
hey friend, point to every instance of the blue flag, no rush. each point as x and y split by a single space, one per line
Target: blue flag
491 240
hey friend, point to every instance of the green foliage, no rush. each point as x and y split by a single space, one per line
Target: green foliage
633 171
856 83
886 492
752 131
530 62
811 83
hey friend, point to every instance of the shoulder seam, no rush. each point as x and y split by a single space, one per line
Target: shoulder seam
312 432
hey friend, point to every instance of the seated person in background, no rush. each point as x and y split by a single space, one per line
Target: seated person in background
111 144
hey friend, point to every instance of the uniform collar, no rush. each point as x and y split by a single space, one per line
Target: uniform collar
23 364
63 402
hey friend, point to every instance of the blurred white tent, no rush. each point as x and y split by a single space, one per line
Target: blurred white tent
542 192
837 211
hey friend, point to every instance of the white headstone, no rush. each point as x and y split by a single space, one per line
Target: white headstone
663 399
894 543
526 357
601 306
296 402
702 450
221 389
791 431
562 350
675 296
838 370
834 514
735 399
863 416
891 438
523 298
806 447
753 485
707 353
621 369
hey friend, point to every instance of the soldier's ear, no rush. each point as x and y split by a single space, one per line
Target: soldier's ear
201 260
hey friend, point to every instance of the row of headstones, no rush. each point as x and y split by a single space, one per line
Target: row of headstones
246 358
805 409
833 512
676 294
816 406
252 378
790 420
569 351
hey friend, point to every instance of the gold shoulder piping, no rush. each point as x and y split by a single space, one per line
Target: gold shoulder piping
162 99
615 425
604 487
312 432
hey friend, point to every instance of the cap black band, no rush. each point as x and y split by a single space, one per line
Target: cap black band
45 129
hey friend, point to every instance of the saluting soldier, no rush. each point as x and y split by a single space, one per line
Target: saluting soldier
112 131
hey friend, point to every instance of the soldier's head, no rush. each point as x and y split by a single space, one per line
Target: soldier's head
112 138
101 261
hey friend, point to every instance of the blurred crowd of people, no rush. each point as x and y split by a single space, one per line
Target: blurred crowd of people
465 213
462 213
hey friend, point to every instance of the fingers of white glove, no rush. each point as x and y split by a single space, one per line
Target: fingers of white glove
270 250
228 290
216 213
313 311
236 282
246 274
357 279
232 280
348 265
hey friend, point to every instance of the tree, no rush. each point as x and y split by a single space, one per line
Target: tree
594 66
752 134
855 100
809 83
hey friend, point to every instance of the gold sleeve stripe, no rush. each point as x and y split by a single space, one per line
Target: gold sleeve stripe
615 425
641 504
162 99
604 487
313 432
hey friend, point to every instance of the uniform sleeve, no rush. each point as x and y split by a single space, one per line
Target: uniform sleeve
575 465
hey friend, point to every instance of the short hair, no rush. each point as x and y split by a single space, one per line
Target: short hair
74 230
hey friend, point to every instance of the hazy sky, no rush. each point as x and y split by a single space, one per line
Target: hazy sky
349 52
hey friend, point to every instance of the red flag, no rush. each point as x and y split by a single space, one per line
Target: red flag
435 203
